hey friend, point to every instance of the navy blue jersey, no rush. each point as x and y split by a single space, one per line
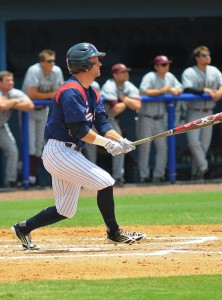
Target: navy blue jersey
74 103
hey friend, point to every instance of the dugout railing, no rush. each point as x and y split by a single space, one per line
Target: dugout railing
168 98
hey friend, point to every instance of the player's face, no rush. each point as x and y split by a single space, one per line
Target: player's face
162 68
48 63
7 83
204 58
95 70
121 76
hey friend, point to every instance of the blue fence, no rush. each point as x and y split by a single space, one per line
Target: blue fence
168 98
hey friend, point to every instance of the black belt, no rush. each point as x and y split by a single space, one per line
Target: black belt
202 109
154 117
39 107
74 147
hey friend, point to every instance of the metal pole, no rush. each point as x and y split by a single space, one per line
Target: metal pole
25 150
171 144
2 46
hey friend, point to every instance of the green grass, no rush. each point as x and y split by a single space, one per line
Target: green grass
167 209
163 288
184 208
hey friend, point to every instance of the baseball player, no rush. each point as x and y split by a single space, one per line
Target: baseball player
75 108
10 98
198 79
41 82
119 94
151 117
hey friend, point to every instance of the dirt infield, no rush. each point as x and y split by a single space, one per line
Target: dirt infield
83 253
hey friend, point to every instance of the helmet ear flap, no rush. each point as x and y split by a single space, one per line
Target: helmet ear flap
76 67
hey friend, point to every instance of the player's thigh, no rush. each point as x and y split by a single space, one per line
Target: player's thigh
71 166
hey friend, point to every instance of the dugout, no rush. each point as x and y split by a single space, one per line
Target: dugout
128 33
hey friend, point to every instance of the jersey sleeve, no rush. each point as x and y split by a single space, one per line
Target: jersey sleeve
146 82
59 79
31 78
187 79
133 91
108 91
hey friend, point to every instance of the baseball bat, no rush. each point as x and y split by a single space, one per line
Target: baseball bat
196 124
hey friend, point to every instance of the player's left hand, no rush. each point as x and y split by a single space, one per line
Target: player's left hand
127 146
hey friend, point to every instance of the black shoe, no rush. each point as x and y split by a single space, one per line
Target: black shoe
158 180
119 183
11 185
26 239
125 237
145 180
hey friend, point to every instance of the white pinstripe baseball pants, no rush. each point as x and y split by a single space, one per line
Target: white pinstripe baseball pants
70 171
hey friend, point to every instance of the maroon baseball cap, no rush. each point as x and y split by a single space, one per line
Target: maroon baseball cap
161 59
118 68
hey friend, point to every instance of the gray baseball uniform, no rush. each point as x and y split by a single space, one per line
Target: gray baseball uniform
199 140
110 92
34 77
8 143
151 122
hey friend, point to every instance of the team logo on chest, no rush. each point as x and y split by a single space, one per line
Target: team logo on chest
89 115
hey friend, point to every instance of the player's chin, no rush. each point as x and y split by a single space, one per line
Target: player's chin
98 73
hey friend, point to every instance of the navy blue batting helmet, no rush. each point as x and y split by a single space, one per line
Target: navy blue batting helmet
78 55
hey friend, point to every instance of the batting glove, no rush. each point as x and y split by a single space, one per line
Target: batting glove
114 148
127 146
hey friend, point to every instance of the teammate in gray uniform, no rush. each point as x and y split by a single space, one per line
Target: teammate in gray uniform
41 82
10 98
74 110
198 79
119 94
151 117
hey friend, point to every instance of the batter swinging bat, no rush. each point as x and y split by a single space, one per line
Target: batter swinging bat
196 124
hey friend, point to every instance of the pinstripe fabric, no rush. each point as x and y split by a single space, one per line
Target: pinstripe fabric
70 170
8 145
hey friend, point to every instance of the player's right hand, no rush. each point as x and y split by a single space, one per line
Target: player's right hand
114 148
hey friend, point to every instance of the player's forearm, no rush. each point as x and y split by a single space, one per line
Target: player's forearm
132 103
118 109
41 96
6 104
91 136
113 135
24 106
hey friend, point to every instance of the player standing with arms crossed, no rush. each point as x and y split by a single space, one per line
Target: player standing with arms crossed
151 117
74 110
41 82
119 94
199 79
10 99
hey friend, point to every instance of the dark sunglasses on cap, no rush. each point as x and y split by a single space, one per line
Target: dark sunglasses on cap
205 54
164 64
49 61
